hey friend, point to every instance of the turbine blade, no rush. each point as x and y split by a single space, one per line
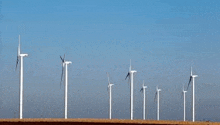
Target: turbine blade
61 77
108 78
62 59
155 97
191 70
18 52
189 82
127 75
19 47
130 65
183 87
141 90
17 62
129 79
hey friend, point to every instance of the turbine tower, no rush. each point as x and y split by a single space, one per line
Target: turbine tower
192 78
143 90
20 56
64 65
158 102
184 104
131 77
110 97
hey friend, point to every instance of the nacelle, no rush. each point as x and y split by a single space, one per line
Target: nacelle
68 62
23 55
133 71
194 76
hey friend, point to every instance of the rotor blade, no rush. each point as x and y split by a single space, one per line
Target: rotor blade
191 71
108 78
155 96
129 80
61 77
62 59
189 82
130 65
127 76
19 47
141 90
190 79
18 52
17 62
183 87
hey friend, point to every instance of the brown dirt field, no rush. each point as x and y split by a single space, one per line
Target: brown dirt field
54 121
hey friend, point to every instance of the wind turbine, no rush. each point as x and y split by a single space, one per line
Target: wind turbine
64 65
20 56
192 78
131 77
158 103
143 90
184 103
110 97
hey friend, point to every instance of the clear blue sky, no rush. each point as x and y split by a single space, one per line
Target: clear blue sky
162 38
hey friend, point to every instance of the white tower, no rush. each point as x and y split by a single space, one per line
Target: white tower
65 64
143 90
131 76
192 77
184 104
158 102
21 56
110 97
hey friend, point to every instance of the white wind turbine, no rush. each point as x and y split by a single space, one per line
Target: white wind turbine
143 90
65 64
110 97
20 56
158 102
192 78
131 77
184 104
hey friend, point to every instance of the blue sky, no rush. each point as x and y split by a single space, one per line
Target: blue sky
162 38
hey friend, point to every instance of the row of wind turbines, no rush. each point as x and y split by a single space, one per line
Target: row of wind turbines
130 76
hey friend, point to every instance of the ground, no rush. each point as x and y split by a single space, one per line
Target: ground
54 121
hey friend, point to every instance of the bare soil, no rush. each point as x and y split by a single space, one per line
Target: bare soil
55 121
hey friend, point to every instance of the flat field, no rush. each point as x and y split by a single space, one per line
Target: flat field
55 121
